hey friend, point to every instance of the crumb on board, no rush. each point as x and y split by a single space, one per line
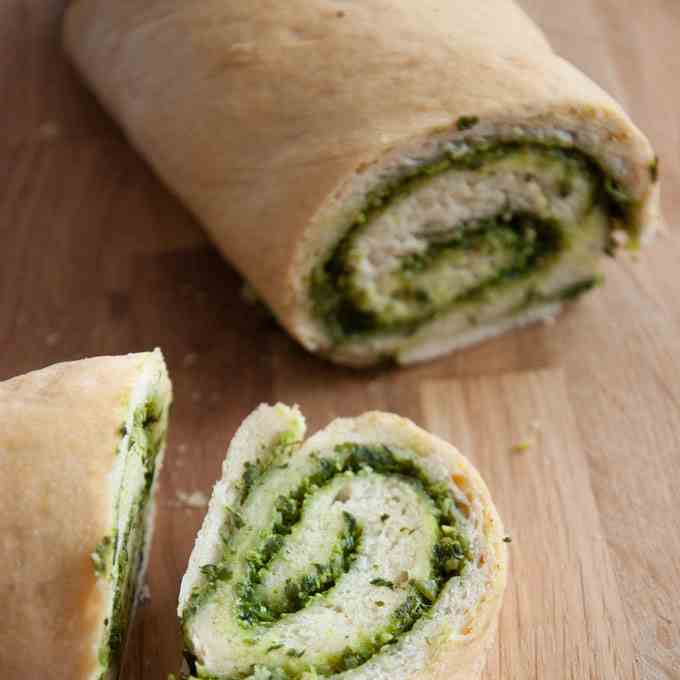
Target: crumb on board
531 440
48 131
192 499
52 339
145 594
189 359
521 447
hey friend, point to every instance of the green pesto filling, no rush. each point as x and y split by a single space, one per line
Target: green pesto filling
515 246
118 557
466 122
654 169
297 591
252 475
256 611
102 557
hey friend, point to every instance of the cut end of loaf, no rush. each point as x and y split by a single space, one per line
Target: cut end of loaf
121 557
422 252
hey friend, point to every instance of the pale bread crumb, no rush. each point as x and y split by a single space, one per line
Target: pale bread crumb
189 359
531 440
193 499
48 131
145 593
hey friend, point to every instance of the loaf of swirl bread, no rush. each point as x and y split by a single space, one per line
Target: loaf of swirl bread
371 551
396 179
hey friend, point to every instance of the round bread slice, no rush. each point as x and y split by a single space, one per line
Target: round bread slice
372 550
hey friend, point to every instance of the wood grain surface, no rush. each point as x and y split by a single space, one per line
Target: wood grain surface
96 257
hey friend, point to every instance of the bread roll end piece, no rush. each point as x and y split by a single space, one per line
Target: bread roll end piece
84 442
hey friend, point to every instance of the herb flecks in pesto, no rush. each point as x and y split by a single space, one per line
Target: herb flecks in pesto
654 169
255 609
102 557
581 287
617 195
283 446
120 555
467 122
214 573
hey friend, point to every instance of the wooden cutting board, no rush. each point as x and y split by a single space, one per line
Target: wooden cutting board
96 257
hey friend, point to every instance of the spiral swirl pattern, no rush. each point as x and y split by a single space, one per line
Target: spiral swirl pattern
329 556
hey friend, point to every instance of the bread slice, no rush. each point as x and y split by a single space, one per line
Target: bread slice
81 445
372 550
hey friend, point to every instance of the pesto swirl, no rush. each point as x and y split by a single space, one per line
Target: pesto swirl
278 572
464 228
